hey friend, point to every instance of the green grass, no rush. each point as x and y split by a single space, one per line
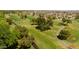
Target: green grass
48 39
42 40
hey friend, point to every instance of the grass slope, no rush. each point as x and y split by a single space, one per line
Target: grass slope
42 40
48 39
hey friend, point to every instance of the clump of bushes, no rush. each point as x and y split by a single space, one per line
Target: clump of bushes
7 39
24 39
18 37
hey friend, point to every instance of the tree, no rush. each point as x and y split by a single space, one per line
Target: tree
24 39
7 39
19 37
43 24
25 42
66 21
64 34
9 21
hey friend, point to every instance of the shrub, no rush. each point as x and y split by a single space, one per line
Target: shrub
64 34
23 38
6 37
66 21
43 24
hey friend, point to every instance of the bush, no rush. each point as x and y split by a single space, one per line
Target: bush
23 38
6 37
64 34
43 24
24 43
18 36
66 21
